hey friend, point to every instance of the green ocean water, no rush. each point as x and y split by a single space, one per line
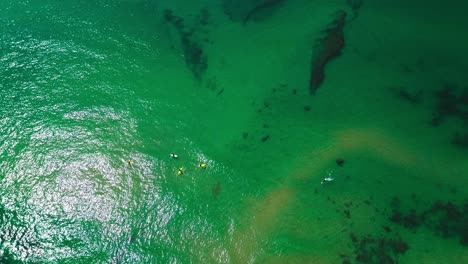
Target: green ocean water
88 86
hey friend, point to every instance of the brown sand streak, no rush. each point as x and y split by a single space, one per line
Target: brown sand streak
261 218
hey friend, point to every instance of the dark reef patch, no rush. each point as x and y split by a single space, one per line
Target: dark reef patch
368 249
347 213
213 84
451 102
11 237
460 140
220 92
340 162
405 94
195 58
8 258
250 10
216 189
326 49
446 220
204 18
443 219
264 9
355 5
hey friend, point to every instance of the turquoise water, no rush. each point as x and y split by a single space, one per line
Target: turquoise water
88 86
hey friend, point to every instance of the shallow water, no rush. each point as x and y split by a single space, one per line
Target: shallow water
87 86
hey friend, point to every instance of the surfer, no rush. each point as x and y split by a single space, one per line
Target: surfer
174 156
202 165
130 163
180 171
327 179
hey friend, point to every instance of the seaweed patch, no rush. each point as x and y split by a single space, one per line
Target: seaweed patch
263 9
447 220
368 249
355 6
220 92
195 58
460 140
12 239
347 213
216 190
450 103
405 94
340 162
250 10
443 219
7 257
326 49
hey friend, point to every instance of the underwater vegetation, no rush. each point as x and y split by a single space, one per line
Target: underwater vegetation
370 248
408 95
265 8
195 58
7 258
326 49
373 249
265 138
8 234
340 162
216 189
452 102
443 219
355 5
460 140
250 10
